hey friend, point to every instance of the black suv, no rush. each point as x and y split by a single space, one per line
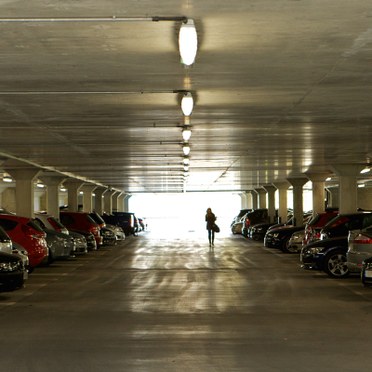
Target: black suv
254 217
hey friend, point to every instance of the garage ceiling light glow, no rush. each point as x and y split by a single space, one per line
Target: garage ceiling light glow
188 42
7 178
187 104
186 149
186 160
365 170
186 133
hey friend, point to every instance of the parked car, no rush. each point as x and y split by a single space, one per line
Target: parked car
254 217
366 274
328 255
279 237
80 244
60 245
343 223
295 241
28 234
126 220
236 228
258 231
241 213
12 272
5 242
107 232
21 252
316 223
82 223
359 248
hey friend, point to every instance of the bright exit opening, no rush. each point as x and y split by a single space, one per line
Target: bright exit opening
177 214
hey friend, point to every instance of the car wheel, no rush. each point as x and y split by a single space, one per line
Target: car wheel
335 265
287 248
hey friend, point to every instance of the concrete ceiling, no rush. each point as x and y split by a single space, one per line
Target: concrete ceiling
281 87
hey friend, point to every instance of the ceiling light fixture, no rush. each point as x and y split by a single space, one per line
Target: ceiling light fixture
186 168
367 169
187 104
188 42
186 160
186 133
7 178
186 149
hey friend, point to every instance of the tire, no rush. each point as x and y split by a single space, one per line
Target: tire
335 264
286 248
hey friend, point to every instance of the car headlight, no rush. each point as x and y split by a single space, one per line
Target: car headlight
313 250
7 267
275 235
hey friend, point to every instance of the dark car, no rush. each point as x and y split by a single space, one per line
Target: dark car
12 272
254 217
343 223
328 255
126 220
258 231
241 213
279 237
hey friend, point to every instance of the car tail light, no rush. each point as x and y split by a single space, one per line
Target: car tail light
32 232
362 239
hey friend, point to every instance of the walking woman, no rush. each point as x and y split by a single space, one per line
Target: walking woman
210 218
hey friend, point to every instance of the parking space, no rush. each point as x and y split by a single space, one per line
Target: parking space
157 304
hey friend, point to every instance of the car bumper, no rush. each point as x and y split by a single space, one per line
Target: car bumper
311 261
12 281
272 242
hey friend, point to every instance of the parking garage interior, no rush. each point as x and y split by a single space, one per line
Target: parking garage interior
95 116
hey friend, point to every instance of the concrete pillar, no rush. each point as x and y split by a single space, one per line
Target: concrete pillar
73 188
52 193
120 202
318 186
115 201
271 201
24 182
107 199
126 202
282 187
298 209
88 197
333 196
99 191
261 197
348 188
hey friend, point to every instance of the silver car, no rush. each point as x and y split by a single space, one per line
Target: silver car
359 248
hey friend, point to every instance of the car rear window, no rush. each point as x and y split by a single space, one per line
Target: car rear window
8 225
35 226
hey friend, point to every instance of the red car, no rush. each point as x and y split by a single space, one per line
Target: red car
81 222
316 223
29 235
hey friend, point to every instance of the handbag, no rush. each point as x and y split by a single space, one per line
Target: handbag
215 228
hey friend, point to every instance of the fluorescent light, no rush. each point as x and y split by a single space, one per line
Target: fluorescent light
188 42
186 133
7 178
186 168
186 160
365 170
187 104
186 149
40 185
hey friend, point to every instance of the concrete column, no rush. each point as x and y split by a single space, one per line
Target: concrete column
73 188
318 186
243 200
348 188
25 178
99 191
126 202
271 201
283 200
120 202
298 209
333 197
88 197
52 193
115 201
261 197
107 199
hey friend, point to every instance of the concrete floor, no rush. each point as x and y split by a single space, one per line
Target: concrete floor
171 304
